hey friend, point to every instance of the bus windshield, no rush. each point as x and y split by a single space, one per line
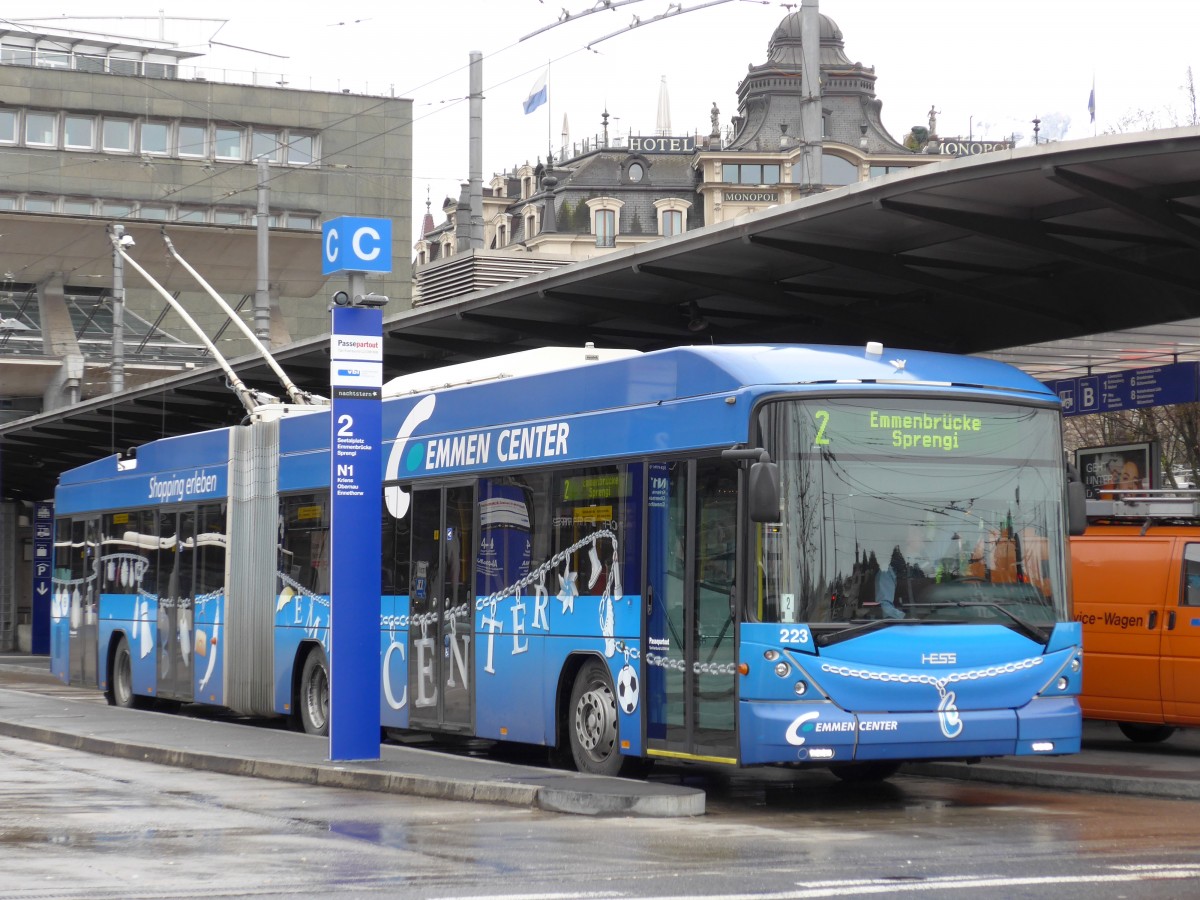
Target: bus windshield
905 510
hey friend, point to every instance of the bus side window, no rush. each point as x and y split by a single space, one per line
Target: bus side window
1191 575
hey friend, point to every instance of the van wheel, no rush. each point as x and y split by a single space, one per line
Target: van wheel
1145 734
314 694
592 729
866 772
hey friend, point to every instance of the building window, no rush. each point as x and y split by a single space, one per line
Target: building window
265 143
228 142
8 202
79 133
89 62
835 170
41 129
154 138
672 215
191 214
40 204
17 56
877 171
308 223
78 207
193 140
605 220
117 135
606 228
8 126
750 173
636 172
116 210
157 213
53 59
502 235
227 216
301 149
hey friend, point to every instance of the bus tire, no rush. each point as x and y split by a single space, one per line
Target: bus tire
1141 733
313 700
592 729
866 772
120 692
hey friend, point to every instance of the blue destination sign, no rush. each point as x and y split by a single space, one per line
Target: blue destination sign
355 477
1129 389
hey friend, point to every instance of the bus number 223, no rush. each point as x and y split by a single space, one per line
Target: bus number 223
793 635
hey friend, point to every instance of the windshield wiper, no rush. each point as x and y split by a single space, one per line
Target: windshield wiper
861 626
1031 631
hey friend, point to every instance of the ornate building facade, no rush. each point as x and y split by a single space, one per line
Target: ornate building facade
619 193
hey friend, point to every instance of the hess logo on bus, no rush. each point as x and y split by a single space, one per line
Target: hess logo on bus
939 659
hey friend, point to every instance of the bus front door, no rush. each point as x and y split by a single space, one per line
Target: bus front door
691 617
442 608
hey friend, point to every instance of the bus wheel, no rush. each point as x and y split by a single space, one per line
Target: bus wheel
866 772
592 726
120 692
314 694
1145 734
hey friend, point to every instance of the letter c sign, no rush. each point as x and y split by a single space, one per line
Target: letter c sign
356 244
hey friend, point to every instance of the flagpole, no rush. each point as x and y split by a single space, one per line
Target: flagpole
549 106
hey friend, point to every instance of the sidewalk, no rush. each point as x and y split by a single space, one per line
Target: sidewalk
233 749
1109 762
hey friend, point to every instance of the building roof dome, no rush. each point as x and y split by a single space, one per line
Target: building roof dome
784 47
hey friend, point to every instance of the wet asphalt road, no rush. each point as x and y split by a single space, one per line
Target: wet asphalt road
78 825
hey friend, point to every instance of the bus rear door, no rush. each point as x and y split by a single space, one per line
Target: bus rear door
442 612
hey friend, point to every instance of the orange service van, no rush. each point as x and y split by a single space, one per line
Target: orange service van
1136 584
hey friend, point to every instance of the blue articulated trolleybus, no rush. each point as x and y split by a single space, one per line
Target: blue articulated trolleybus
733 554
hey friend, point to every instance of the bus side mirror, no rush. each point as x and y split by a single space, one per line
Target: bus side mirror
762 481
763 484
1076 502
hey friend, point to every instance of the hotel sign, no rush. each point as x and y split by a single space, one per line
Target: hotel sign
751 197
662 144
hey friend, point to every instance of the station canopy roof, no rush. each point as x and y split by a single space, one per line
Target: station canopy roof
1064 259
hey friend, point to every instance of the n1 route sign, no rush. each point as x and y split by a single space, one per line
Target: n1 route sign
1129 389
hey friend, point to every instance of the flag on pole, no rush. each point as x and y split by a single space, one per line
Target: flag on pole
538 94
1092 102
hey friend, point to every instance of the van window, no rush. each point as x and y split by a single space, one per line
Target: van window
1191 575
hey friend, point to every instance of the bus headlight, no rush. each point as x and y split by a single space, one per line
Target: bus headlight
782 669
801 688
1062 683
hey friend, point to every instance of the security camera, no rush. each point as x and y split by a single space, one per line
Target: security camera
373 301
127 240
341 298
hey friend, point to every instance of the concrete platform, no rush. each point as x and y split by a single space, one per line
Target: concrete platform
1109 763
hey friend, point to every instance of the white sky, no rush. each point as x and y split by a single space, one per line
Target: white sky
988 68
